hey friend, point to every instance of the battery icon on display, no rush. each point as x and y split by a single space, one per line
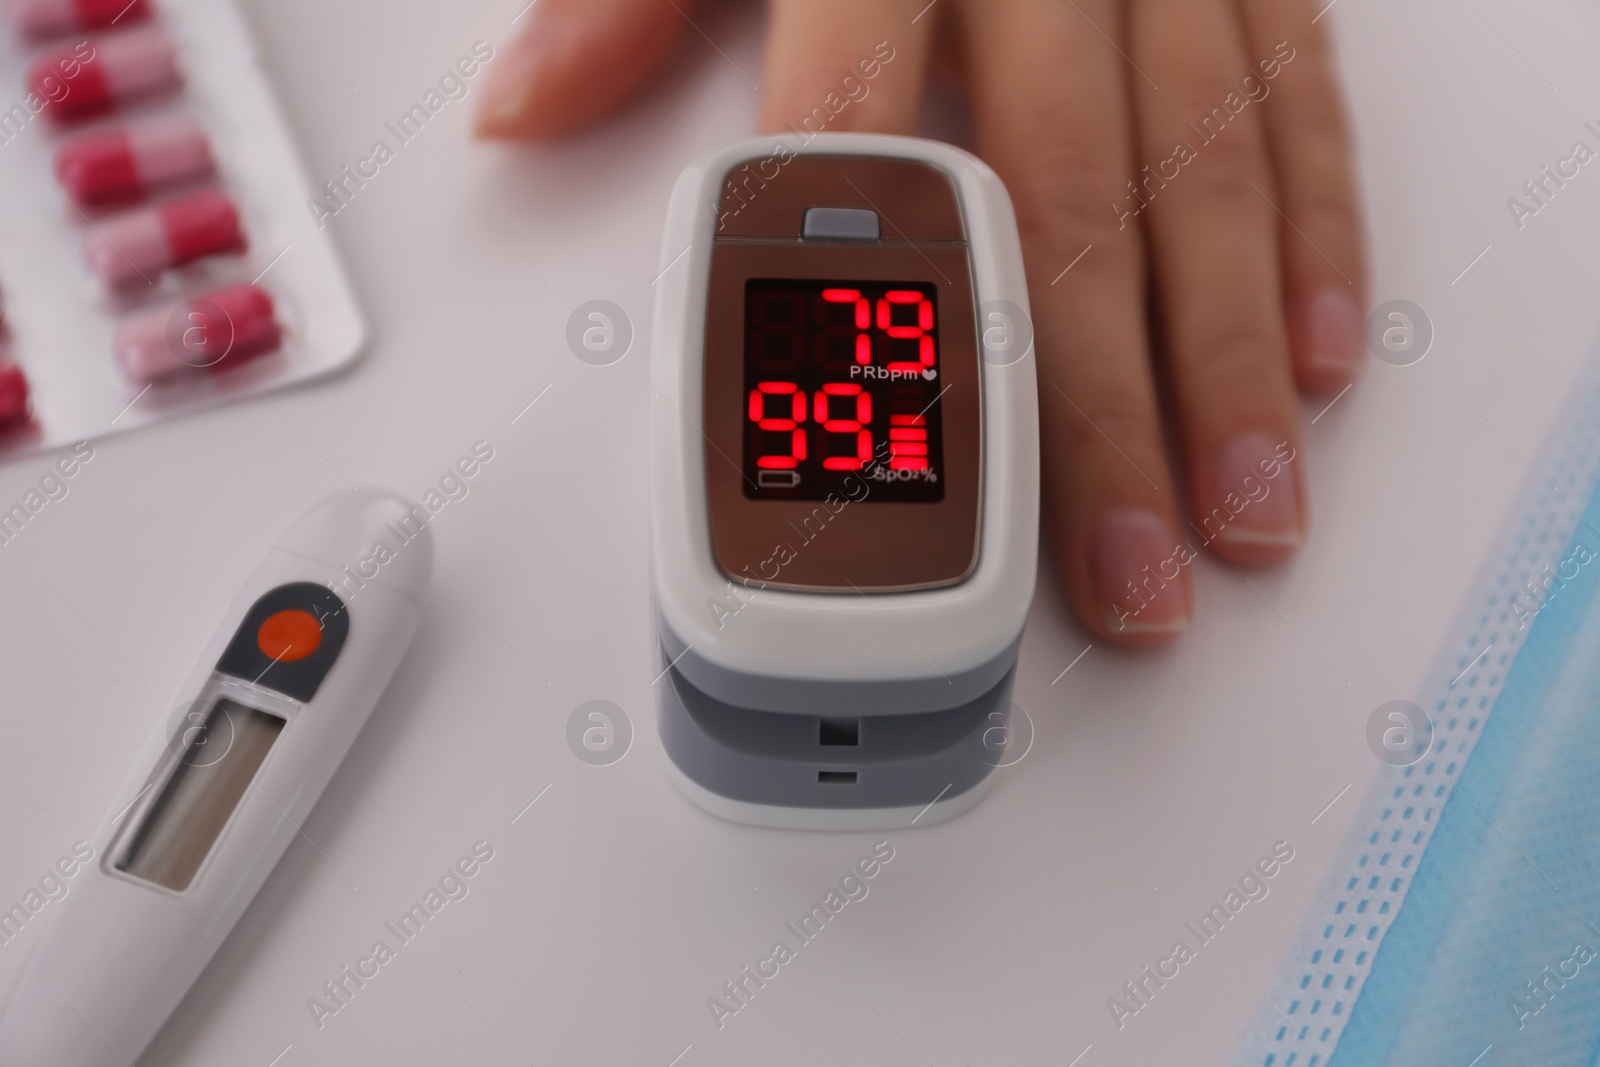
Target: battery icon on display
778 479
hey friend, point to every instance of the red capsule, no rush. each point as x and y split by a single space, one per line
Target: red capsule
139 245
126 165
211 332
102 75
41 19
13 395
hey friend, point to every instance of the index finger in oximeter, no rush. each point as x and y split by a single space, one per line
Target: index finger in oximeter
224 783
845 491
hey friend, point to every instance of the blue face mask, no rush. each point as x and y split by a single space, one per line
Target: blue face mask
1461 923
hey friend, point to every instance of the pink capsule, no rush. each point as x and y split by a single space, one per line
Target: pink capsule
211 332
104 74
41 19
13 395
126 165
137 246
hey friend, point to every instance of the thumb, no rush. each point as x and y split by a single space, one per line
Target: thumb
574 61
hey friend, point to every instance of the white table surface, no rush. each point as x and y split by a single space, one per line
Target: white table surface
613 909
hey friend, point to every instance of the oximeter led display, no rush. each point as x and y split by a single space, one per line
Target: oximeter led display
841 381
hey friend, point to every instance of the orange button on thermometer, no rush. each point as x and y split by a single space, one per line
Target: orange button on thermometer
289 635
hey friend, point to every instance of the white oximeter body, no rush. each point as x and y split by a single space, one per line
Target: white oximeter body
224 782
844 479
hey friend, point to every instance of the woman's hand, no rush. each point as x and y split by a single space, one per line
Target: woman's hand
1190 154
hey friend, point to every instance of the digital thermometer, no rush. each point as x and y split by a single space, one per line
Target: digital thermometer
844 479
224 782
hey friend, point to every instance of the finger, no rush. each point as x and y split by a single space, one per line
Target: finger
574 61
1324 258
1107 494
1206 193
838 65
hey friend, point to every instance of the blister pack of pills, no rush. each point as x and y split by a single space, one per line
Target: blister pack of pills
156 253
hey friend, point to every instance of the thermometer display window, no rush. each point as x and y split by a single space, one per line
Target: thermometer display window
842 382
218 759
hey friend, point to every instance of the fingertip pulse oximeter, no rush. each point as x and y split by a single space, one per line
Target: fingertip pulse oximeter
844 434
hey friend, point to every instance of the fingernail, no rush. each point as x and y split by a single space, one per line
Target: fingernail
514 79
1136 563
1333 331
1255 502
